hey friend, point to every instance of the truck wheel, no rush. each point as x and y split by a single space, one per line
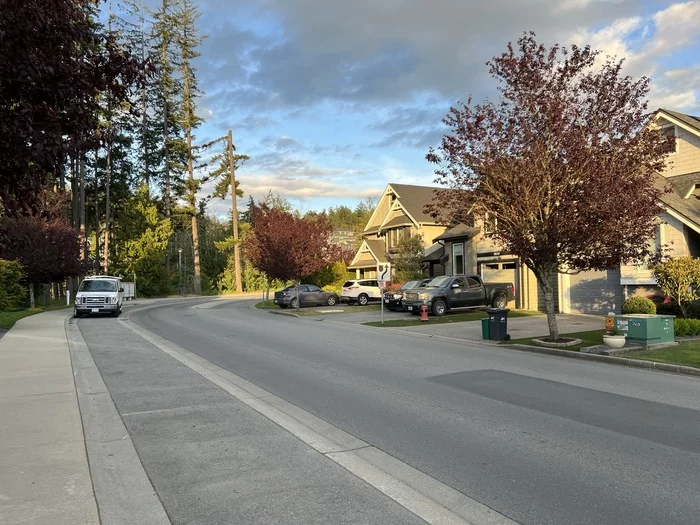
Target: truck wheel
362 299
77 315
499 301
439 307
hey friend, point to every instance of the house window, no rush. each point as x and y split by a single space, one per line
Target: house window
490 224
457 258
671 131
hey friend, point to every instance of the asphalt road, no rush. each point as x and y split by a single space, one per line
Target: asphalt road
540 439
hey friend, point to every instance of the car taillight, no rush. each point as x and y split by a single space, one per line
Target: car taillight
354 288
512 289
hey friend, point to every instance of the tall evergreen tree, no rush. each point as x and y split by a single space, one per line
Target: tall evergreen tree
187 40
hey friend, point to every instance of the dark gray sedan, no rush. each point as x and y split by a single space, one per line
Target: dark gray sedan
304 295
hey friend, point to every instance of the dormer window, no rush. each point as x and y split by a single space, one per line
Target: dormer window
671 131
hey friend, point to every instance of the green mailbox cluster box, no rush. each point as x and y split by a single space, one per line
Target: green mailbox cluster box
646 329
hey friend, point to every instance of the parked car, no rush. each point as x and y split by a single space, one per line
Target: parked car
304 295
393 299
360 291
99 294
458 291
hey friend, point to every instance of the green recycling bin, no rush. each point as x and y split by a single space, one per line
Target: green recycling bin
485 331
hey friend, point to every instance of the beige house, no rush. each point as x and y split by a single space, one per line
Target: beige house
399 213
597 292
678 229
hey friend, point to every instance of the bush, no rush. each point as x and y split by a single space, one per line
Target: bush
681 327
693 326
638 305
12 293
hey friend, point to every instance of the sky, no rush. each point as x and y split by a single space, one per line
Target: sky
333 100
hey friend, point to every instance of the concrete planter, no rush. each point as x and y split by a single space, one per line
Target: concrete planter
614 341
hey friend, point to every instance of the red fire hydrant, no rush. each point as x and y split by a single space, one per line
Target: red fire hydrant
424 313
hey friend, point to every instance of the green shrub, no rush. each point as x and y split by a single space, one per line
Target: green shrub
693 326
638 305
681 327
12 293
333 288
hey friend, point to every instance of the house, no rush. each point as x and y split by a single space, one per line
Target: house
399 213
678 229
345 238
597 292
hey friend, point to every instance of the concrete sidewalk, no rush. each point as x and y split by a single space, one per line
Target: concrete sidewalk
44 472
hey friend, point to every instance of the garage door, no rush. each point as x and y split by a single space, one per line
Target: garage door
500 272
596 292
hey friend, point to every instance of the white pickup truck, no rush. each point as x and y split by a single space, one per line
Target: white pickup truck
99 294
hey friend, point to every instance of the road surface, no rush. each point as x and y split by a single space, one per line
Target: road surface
538 439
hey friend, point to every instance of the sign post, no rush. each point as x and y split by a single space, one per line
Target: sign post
383 276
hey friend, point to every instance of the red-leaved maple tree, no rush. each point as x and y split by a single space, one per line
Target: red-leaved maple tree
565 161
288 247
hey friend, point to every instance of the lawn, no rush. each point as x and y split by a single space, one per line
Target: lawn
686 354
445 319
9 318
591 338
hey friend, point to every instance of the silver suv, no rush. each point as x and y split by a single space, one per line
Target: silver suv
360 291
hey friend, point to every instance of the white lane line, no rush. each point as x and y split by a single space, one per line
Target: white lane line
423 495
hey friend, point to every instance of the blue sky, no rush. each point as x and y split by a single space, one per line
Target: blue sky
333 100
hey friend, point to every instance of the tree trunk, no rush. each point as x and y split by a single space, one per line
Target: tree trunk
83 232
192 191
166 153
97 219
75 198
32 303
234 216
544 279
108 183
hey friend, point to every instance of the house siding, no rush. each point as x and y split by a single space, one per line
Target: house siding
687 160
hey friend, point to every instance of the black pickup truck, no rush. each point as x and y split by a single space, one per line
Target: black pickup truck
458 291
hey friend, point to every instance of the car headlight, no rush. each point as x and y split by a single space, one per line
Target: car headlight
78 299
114 300
424 296
397 296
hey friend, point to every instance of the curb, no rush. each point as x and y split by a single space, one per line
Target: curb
622 361
122 490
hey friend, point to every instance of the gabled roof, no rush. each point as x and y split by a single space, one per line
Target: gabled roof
461 231
688 121
377 251
685 184
414 198
687 210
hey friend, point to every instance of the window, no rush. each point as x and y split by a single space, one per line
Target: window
461 282
490 224
473 283
491 266
457 258
509 266
672 132
313 288
94 285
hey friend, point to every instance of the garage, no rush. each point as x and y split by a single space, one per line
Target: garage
595 292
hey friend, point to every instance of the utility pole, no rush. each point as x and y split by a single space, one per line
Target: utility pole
234 215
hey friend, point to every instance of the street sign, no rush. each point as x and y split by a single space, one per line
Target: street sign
382 285
383 272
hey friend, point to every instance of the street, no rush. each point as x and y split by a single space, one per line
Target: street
537 439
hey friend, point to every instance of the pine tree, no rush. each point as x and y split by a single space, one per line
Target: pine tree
172 155
187 40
